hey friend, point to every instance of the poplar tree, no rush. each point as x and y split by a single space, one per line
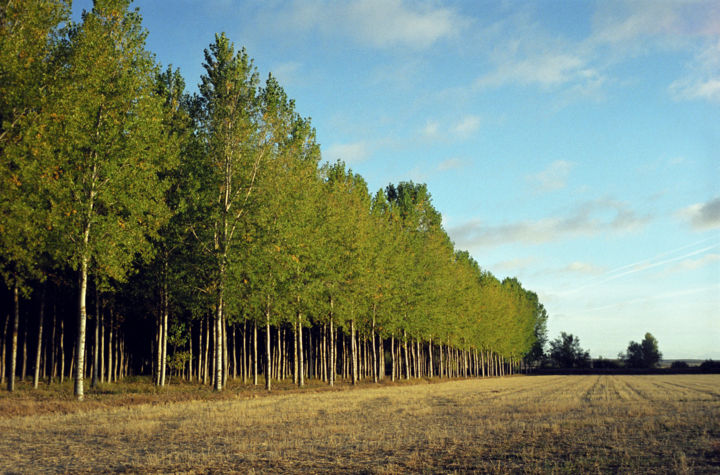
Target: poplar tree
108 152
28 39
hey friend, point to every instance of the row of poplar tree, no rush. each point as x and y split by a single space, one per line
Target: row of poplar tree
188 228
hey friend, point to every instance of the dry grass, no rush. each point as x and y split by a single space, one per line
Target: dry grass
632 424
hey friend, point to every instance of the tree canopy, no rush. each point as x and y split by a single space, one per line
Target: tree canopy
173 220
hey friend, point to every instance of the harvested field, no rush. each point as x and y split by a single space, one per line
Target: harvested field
634 424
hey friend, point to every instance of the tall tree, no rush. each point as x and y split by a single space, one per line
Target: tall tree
237 139
28 39
108 152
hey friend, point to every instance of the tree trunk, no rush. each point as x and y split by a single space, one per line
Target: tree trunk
332 362
52 373
38 351
96 356
14 344
206 362
23 367
296 362
324 355
375 369
164 332
101 349
407 365
392 356
255 353
62 350
3 348
225 352
353 352
268 355
244 352
110 346
82 319
301 359
234 352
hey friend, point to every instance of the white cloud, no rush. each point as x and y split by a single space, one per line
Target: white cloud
467 126
578 267
287 72
450 164
378 23
695 264
431 129
624 22
553 178
545 69
349 153
702 81
703 216
588 219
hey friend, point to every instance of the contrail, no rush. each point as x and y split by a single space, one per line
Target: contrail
647 264
678 293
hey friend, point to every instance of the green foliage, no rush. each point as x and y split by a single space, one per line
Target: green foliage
565 351
645 354
217 202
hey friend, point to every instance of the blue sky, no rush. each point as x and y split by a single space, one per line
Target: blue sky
574 145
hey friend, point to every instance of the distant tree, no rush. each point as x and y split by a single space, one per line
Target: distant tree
679 365
642 355
710 365
602 363
566 352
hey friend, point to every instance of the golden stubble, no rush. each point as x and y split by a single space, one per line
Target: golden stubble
540 424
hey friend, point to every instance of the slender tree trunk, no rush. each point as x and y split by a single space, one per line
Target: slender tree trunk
52 373
101 349
190 350
255 353
407 364
332 362
376 368
225 350
38 351
244 352
3 348
14 344
23 367
110 346
164 329
206 362
268 355
233 338
324 355
82 319
301 359
392 356
96 356
296 362
62 350
353 351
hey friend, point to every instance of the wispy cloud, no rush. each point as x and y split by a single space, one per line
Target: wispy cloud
703 216
585 268
377 23
431 129
545 68
588 219
467 126
450 164
703 78
349 152
552 178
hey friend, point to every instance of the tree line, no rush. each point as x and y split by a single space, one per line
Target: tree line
146 230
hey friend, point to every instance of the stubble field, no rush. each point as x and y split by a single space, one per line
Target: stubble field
540 424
